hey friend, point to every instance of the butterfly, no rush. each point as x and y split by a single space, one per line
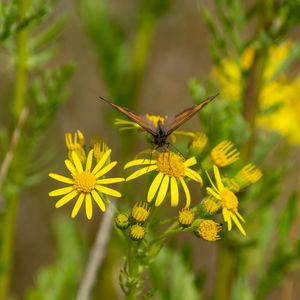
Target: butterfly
161 132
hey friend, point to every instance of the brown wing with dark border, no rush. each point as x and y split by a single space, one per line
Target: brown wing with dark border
140 120
172 123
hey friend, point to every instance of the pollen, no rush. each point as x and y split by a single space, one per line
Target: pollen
155 119
140 212
186 217
229 199
85 182
171 164
224 154
209 230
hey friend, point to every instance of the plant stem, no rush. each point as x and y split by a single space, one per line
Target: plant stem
9 216
97 255
21 63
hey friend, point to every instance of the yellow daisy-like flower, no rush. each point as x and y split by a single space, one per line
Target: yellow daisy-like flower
228 201
86 182
171 169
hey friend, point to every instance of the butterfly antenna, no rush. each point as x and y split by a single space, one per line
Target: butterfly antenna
176 149
104 99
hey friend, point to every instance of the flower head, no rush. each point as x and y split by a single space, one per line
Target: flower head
77 144
86 182
208 230
210 206
99 147
122 221
248 174
186 217
137 232
171 169
228 201
198 142
140 212
224 154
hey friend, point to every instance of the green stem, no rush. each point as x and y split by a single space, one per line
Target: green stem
9 216
21 63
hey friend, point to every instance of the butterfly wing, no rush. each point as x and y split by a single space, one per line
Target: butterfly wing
141 120
173 123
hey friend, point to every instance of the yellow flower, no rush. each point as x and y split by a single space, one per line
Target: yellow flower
86 183
208 230
228 200
281 92
224 154
171 169
186 217
99 147
198 142
140 212
210 206
77 144
248 174
137 232
122 221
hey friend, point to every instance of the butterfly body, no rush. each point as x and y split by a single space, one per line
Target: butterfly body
162 130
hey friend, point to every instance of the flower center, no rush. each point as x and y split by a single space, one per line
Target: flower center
229 199
171 164
84 182
208 230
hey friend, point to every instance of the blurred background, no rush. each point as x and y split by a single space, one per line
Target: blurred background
162 47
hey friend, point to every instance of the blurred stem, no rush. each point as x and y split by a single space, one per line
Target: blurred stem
21 62
97 254
225 274
9 217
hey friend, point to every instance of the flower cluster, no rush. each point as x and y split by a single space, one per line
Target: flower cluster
171 175
279 103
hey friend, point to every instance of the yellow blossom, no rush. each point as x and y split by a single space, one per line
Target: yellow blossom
186 217
77 144
224 154
122 221
208 230
171 170
228 201
140 212
137 232
248 174
85 183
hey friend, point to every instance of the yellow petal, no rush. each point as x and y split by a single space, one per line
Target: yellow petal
218 179
138 162
194 175
66 199
213 193
77 205
174 192
163 190
108 191
240 217
98 200
61 191
212 184
110 180
70 166
77 162
154 186
61 178
106 169
102 161
190 162
89 161
237 223
88 206
186 191
141 172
